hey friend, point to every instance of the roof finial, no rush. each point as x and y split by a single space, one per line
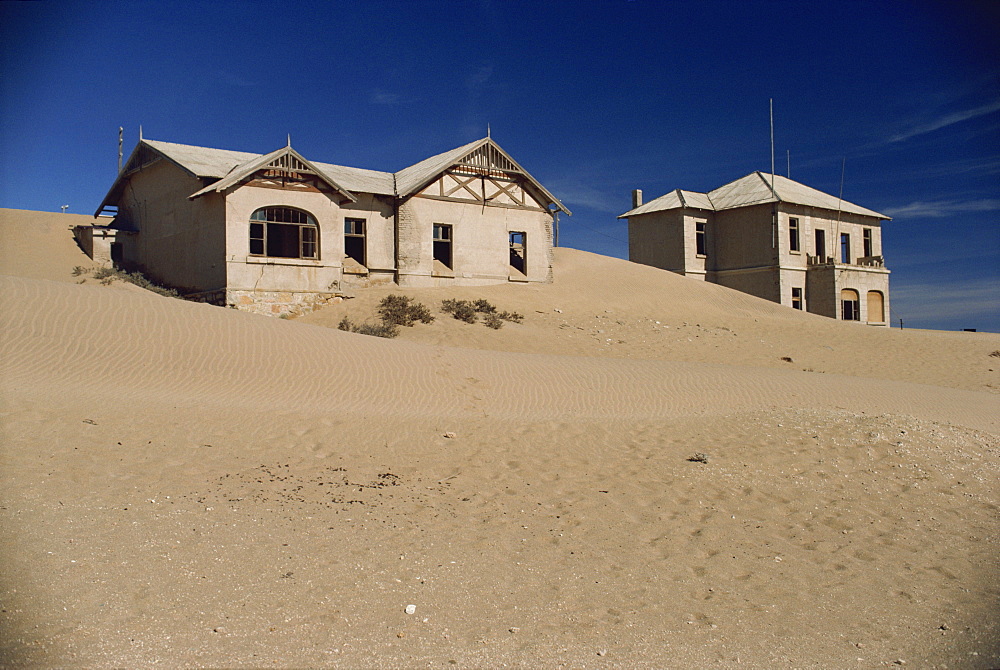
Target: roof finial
487 129
289 139
140 132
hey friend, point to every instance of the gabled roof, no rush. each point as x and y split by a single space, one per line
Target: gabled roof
753 189
229 167
676 199
284 158
483 153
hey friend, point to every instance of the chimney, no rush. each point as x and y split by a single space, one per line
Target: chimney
636 198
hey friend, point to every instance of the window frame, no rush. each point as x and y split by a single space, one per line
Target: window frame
350 222
820 243
513 246
845 248
794 235
866 239
267 219
701 239
797 301
442 242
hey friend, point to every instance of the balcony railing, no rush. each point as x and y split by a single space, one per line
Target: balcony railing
866 261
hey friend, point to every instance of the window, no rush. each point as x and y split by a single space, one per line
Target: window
797 298
867 241
442 244
283 232
845 248
820 243
876 307
518 247
699 239
354 240
793 235
850 305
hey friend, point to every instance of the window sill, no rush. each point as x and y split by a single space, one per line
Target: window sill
701 255
355 270
271 260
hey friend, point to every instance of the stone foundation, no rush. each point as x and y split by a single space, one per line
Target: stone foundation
280 303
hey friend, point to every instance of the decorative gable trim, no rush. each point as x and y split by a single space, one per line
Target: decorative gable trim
283 161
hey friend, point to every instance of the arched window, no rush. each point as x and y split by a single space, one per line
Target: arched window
850 305
876 307
283 232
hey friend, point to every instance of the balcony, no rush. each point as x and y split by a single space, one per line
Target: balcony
864 261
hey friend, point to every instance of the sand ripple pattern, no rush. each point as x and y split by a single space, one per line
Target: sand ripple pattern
138 347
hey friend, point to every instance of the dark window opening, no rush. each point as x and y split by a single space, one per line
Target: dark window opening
867 241
850 305
518 250
442 244
701 248
845 248
354 240
797 298
116 253
793 234
283 232
821 243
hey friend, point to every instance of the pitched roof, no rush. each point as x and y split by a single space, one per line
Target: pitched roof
231 166
412 179
754 189
285 157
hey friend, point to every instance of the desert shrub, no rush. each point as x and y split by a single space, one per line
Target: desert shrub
401 310
106 275
513 317
484 307
463 310
493 320
375 329
469 311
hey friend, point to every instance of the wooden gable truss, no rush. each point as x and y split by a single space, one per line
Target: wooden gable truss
283 169
485 176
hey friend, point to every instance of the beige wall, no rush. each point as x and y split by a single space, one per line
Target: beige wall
657 239
255 273
480 242
181 243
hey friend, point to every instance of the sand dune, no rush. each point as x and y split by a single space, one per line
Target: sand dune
187 485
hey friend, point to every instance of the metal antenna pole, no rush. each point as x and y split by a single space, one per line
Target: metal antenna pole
121 130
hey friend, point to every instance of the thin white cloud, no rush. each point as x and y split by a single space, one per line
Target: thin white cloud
942 208
947 120
970 300
382 97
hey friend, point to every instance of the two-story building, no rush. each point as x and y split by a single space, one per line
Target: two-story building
771 237
276 233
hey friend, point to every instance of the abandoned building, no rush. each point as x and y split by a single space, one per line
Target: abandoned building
771 237
277 233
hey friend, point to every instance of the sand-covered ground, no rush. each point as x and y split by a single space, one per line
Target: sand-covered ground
184 485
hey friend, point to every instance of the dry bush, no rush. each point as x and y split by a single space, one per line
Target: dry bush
375 329
400 310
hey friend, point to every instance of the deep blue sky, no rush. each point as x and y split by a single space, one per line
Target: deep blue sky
595 98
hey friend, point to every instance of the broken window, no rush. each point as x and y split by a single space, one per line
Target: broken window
518 249
793 234
845 248
701 246
797 298
820 243
850 305
442 244
867 241
354 240
283 232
